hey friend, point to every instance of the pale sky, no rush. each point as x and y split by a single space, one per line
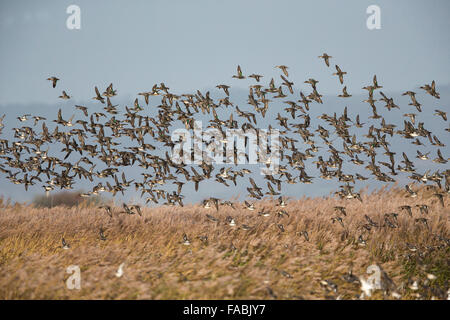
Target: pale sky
197 44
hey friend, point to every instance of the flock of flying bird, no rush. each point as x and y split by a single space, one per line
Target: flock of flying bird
97 136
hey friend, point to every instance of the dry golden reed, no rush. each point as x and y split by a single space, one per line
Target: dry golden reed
260 263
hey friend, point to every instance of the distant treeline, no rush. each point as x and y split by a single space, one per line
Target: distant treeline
66 198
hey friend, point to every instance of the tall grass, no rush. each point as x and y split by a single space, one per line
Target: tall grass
233 263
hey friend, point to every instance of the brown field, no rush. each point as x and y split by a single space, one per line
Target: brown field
158 266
